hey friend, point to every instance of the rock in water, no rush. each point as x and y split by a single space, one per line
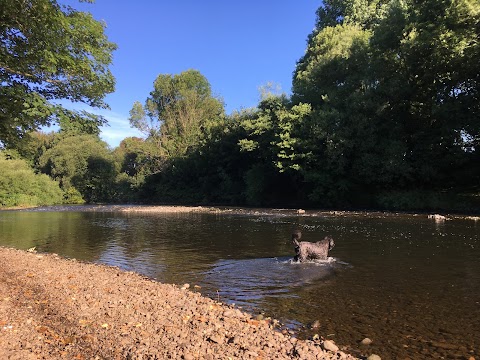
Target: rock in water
366 341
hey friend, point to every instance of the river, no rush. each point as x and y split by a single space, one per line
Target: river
407 282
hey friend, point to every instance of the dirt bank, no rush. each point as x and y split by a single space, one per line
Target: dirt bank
54 308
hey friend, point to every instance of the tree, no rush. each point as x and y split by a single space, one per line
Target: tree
34 144
82 165
425 59
272 140
180 112
50 52
393 87
138 157
332 77
271 132
135 160
365 13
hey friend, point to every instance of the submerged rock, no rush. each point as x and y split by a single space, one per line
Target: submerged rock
366 341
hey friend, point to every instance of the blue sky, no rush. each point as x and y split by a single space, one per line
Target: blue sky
237 45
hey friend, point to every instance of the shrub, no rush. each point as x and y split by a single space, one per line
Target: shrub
20 186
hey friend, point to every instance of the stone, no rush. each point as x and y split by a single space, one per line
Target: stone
374 357
229 313
366 341
330 346
216 339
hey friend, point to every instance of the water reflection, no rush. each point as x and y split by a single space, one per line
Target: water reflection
409 283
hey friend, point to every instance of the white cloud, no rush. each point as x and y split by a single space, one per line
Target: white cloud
118 125
119 128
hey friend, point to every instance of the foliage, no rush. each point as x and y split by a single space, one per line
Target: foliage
138 157
135 159
272 139
49 52
82 165
239 164
34 144
394 92
179 113
20 186
384 113
211 175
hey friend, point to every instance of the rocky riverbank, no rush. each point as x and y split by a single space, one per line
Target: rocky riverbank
53 308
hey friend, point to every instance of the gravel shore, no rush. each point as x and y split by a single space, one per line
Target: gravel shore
54 308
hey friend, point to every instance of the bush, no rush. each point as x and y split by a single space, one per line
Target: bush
20 186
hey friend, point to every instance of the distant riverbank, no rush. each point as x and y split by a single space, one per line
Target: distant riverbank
238 210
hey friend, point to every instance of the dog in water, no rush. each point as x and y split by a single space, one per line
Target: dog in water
305 250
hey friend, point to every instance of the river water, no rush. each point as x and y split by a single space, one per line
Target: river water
410 284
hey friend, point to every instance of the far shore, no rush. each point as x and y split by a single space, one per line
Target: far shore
184 209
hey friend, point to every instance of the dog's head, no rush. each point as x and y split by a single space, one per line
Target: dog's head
296 236
331 243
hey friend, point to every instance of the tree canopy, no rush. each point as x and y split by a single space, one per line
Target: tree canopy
50 52
179 113
83 167
395 96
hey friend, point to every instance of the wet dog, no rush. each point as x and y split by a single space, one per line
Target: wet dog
305 250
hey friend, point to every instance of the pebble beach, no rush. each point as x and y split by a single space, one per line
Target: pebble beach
55 308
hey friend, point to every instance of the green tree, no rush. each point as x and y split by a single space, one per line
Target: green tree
394 92
138 157
34 144
272 132
272 139
135 160
180 112
332 77
50 52
366 13
427 70
82 165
